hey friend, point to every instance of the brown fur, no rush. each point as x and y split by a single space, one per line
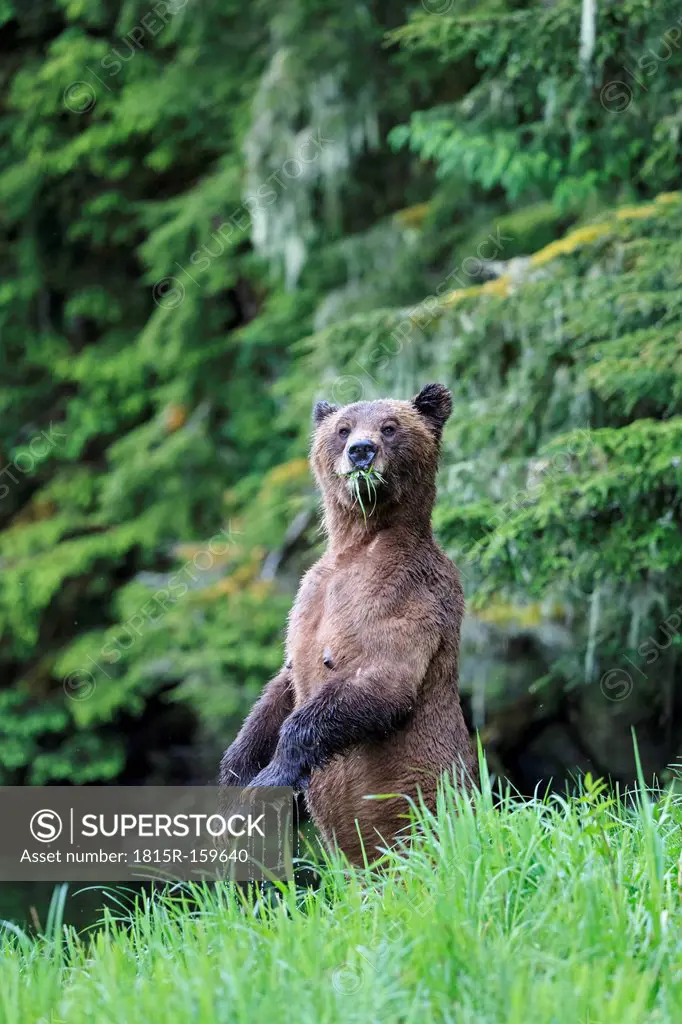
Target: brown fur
373 640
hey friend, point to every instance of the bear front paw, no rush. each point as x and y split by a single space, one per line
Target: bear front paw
281 774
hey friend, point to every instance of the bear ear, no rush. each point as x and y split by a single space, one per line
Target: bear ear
321 410
434 403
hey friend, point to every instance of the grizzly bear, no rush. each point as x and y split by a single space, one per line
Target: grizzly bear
367 702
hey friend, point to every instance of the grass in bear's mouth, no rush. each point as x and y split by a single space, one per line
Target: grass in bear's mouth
370 478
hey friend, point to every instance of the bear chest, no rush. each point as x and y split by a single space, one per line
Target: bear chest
330 631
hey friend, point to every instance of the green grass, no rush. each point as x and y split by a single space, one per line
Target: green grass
545 912
367 480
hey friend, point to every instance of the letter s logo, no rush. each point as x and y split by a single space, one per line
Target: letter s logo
46 826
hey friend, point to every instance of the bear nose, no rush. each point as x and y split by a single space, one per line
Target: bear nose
361 454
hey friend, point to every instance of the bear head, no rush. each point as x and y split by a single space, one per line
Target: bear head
376 455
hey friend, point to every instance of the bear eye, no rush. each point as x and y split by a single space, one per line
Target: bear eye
388 430
344 431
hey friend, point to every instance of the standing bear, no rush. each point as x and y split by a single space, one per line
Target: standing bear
367 701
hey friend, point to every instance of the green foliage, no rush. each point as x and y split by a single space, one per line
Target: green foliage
362 484
539 118
204 228
552 910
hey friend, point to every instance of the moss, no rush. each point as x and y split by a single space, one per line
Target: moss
636 212
413 216
295 470
528 616
570 243
500 287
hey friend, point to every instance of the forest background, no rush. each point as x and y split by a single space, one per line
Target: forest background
212 215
